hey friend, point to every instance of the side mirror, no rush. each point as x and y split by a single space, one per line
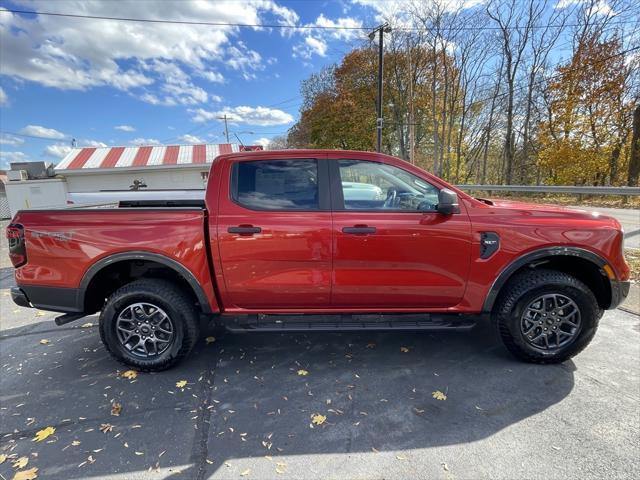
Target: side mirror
448 202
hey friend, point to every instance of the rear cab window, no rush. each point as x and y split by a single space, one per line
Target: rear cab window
276 184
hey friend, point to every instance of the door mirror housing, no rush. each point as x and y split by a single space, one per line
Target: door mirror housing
448 202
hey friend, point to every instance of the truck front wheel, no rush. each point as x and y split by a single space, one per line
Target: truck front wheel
149 324
546 316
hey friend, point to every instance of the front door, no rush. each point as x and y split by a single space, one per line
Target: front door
274 231
392 249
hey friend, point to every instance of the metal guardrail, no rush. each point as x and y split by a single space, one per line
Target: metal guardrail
624 191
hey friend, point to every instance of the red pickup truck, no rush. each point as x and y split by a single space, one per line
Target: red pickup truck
321 240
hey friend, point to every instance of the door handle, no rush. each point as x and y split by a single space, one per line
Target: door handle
359 230
244 230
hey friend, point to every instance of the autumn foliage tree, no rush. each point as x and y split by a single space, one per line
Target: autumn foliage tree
472 93
587 127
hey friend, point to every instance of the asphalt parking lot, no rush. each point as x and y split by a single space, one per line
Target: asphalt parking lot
246 411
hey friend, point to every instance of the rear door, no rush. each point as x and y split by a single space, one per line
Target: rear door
392 249
274 234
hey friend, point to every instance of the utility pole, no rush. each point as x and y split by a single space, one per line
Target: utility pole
412 131
226 128
381 30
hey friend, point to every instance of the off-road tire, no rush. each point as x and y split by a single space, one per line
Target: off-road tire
523 289
170 298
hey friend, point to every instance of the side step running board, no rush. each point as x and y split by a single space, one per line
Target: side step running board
306 323
68 318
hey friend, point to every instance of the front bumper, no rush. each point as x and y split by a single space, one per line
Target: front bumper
619 292
19 297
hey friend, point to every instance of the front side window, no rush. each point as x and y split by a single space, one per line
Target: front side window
276 184
377 186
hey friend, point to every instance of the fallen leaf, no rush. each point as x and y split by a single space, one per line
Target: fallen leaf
75 443
438 395
44 341
181 384
404 349
86 325
210 340
318 419
106 427
446 467
3 457
246 472
302 372
43 434
40 313
30 474
139 453
401 457
130 374
116 408
20 462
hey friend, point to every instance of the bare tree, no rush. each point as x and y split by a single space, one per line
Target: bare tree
515 20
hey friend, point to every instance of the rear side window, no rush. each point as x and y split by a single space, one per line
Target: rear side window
276 184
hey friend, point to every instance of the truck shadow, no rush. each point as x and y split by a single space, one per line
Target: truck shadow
254 395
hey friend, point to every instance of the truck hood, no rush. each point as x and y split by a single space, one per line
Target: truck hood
546 210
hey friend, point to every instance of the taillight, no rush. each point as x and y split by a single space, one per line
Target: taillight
17 249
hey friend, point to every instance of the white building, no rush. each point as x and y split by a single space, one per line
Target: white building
159 167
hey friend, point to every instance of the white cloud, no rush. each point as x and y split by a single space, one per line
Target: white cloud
215 77
125 128
4 99
310 47
8 139
80 54
7 157
91 143
144 141
316 41
263 141
347 26
43 132
58 150
261 116
601 7
190 138
245 60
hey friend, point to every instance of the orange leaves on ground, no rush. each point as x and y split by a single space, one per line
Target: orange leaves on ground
318 419
116 408
130 374
30 474
438 395
44 434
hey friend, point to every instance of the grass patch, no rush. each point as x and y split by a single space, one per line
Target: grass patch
633 259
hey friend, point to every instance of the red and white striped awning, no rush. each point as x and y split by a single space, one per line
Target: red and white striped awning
145 156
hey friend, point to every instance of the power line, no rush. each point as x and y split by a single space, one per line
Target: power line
15 134
185 22
280 26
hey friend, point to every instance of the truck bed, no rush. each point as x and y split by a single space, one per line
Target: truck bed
63 245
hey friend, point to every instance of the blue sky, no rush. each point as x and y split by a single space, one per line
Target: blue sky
124 83
106 82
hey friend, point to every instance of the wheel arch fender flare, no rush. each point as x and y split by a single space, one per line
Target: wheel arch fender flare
531 257
174 265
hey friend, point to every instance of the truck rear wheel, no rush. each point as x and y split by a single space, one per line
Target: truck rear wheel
546 316
149 324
